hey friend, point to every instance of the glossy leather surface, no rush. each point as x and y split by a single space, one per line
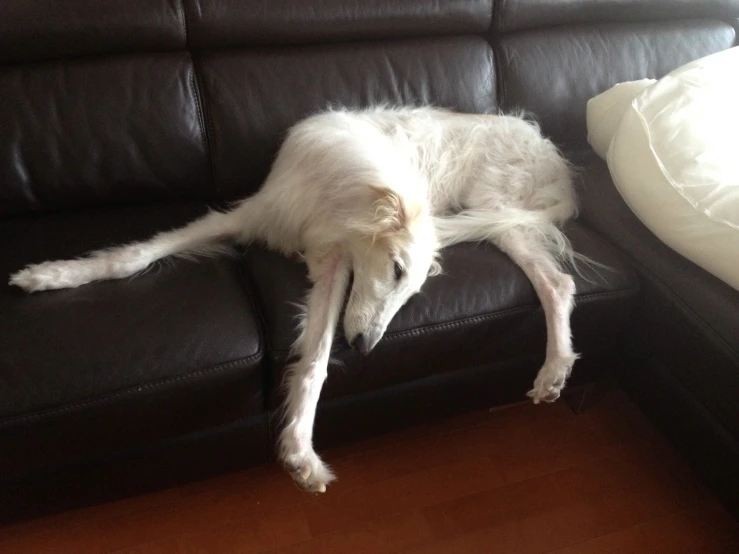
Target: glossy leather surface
100 132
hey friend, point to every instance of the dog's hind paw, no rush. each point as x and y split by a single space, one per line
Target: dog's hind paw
551 380
308 471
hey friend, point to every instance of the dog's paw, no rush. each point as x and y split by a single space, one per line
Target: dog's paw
551 380
44 276
308 471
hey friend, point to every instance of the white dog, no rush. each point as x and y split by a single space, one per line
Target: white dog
379 192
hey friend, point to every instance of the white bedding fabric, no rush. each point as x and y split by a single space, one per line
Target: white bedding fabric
672 147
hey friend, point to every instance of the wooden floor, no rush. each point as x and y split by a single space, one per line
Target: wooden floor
523 479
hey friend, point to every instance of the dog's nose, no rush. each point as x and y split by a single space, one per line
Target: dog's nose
360 343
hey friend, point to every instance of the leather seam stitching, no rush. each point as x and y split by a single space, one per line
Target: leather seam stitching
495 15
489 317
458 323
500 85
497 315
128 391
201 118
208 126
182 16
195 91
200 100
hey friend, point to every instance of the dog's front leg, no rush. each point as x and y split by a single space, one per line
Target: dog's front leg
304 379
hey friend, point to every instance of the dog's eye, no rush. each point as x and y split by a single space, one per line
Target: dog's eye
398 271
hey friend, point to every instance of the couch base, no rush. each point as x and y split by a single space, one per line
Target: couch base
237 445
136 471
711 450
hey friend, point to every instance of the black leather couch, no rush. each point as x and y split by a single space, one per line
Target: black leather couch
122 118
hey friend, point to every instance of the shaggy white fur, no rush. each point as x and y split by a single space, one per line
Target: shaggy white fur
379 192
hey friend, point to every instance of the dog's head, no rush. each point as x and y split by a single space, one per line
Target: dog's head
396 252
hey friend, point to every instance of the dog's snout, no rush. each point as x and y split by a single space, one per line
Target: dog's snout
361 344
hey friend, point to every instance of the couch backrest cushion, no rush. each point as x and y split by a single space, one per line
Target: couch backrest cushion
92 131
253 98
553 72
143 100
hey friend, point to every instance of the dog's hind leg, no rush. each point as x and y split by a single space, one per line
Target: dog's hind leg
556 291
304 379
530 241
202 236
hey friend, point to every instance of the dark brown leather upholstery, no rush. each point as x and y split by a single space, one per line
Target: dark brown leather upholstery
242 88
110 367
128 117
97 131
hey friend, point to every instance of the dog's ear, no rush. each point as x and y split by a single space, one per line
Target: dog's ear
391 211
385 213
435 268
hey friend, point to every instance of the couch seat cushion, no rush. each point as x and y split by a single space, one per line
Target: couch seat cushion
480 311
117 363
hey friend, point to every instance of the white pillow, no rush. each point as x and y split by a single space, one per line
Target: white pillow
674 157
604 112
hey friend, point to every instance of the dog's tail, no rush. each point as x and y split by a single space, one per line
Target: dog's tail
204 236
